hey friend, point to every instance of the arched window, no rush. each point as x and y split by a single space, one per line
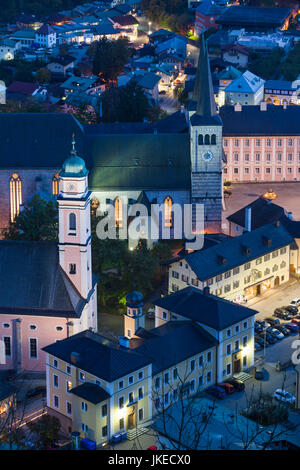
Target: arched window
213 139
206 139
15 187
200 139
56 185
168 212
118 212
72 221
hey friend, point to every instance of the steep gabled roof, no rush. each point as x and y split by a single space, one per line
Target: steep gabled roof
207 309
262 212
33 283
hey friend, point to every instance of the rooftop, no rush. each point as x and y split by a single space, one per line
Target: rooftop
91 392
246 83
256 16
204 308
237 251
98 355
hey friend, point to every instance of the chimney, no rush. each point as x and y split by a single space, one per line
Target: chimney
238 107
290 215
263 106
206 290
75 356
248 213
124 342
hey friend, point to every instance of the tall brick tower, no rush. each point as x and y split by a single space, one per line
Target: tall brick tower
206 147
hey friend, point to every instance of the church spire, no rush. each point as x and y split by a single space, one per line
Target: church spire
203 91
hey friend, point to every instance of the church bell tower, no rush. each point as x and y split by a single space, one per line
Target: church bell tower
206 147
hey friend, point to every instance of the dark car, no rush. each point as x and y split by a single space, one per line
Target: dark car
293 327
291 309
259 373
257 347
296 320
258 328
283 330
272 321
260 340
280 313
217 392
238 384
229 388
270 339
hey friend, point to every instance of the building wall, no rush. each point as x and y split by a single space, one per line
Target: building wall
240 283
45 333
255 98
265 158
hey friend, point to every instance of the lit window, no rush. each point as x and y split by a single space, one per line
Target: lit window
56 185
15 185
168 212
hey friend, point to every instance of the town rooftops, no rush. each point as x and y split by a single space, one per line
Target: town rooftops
252 121
238 250
33 283
210 310
24 34
274 85
98 355
246 83
253 16
265 211
125 20
209 7
229 73
45 30
171 343
63 60
91 392
23 88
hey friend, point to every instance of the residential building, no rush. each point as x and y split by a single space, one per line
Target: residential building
61 65
25 37
281 92
236 54
135 378
206 14
20 91
48 292
46 36
248 89
8 48
266 19
261 143
128 24
239 268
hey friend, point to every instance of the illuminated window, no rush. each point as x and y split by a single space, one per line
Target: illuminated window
118 212
168 212
15 186
56 185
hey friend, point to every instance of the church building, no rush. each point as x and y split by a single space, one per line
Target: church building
47 290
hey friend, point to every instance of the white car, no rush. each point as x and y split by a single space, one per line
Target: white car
282 395
295 302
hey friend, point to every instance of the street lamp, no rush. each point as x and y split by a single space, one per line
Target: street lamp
149 24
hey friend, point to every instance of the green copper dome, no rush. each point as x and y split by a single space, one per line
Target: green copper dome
74 165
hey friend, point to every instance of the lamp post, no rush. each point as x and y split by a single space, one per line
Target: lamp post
149 24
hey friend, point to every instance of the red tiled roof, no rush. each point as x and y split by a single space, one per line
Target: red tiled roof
24 88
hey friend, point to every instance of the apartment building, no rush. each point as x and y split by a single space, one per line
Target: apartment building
238 268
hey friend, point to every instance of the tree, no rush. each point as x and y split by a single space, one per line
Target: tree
46 429
38 221
127 104
266 66
43 76
290 68
109 57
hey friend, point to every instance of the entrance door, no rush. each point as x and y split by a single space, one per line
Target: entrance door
258 289
276 282
237 366
132 420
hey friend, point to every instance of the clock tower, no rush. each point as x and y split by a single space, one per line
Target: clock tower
206 148
75 233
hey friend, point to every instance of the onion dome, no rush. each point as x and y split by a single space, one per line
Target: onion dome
134 299
74 166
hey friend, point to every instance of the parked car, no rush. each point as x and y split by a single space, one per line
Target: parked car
260 340
259 373
272 321
258 327
284 396
296 320
238 384
295 302
270 339
276 333
280 313
229 388
217 392
291 309
293 327
283 330
257 347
